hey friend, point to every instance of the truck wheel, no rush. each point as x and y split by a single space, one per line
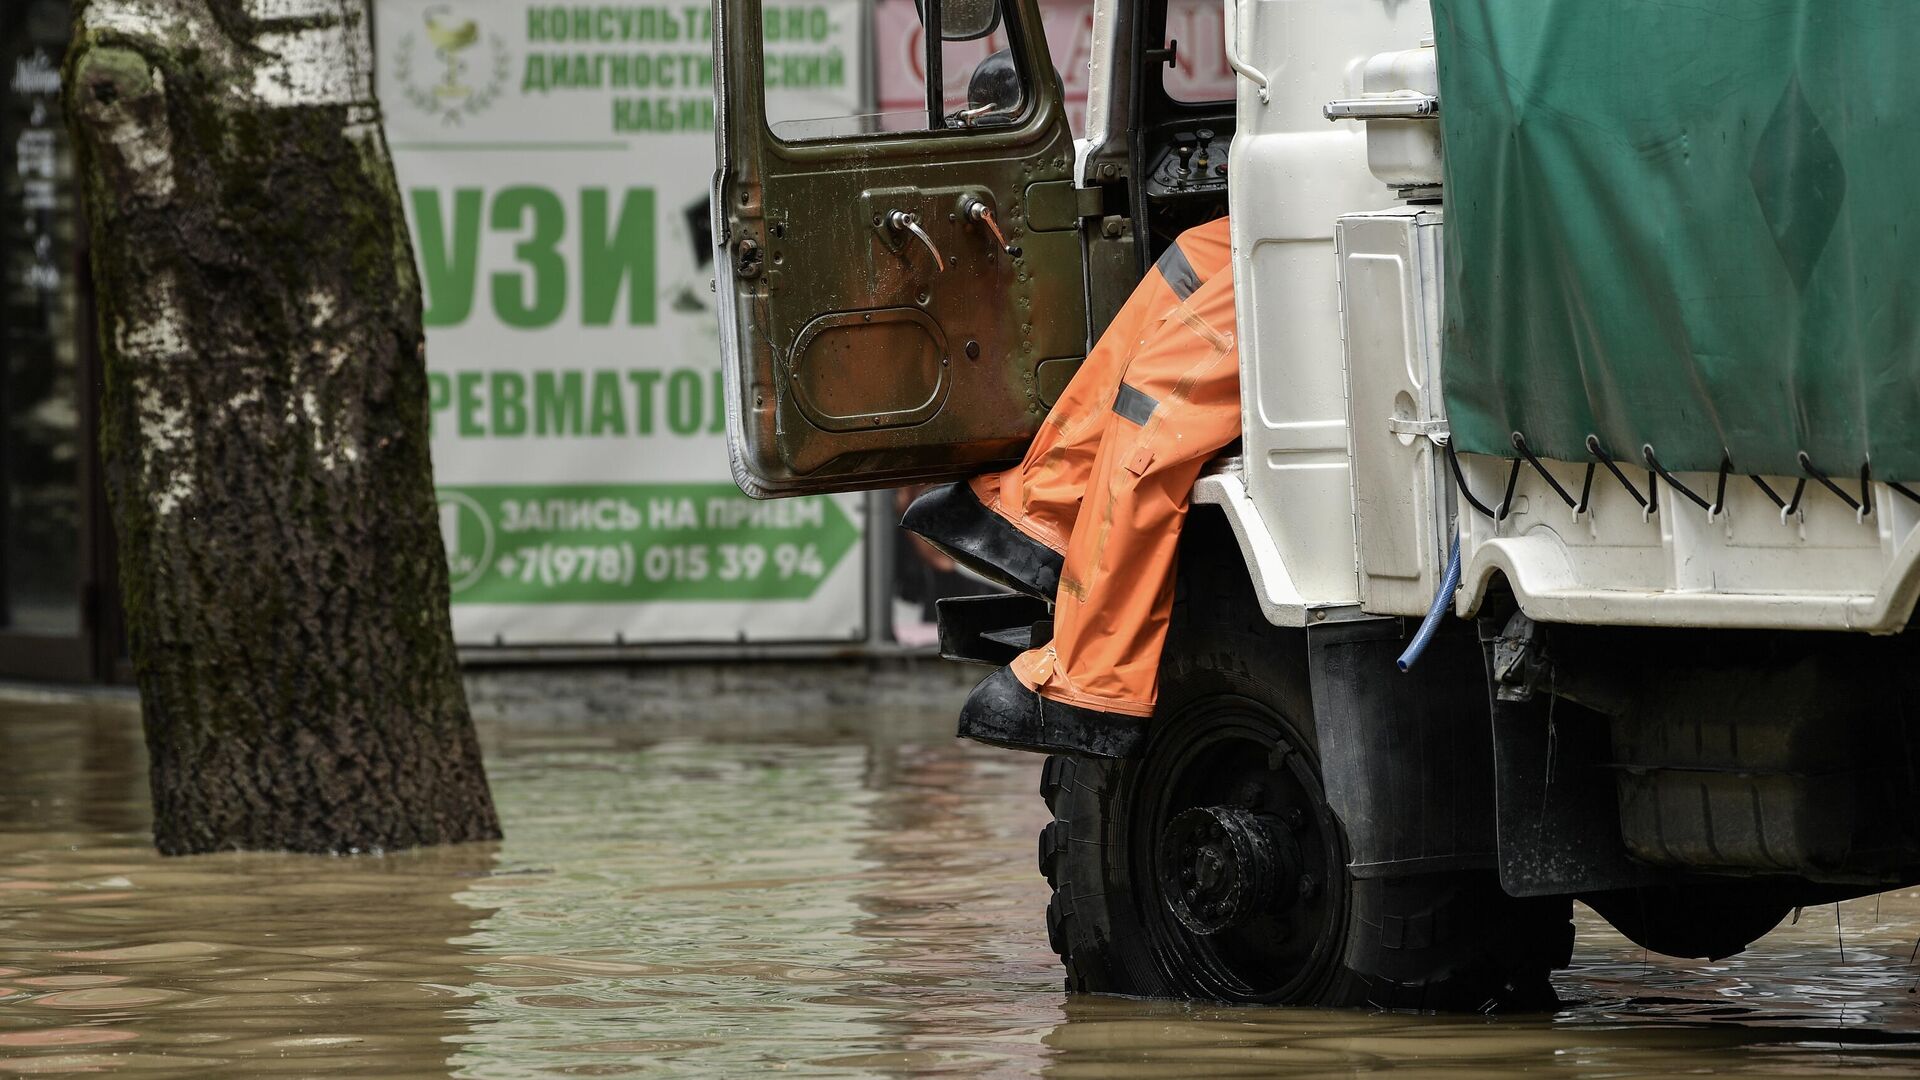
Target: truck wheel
1696 922
1212 867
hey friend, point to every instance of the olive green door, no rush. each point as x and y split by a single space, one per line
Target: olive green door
901 294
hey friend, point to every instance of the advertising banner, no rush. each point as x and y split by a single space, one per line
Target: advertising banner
555 164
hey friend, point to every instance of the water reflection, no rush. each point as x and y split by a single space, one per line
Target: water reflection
859 905
111 958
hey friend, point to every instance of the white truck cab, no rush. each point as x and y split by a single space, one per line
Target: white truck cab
1675 693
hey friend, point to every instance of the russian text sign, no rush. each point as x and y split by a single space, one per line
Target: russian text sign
555 163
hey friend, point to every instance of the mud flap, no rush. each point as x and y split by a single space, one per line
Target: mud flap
1559 817
1407 759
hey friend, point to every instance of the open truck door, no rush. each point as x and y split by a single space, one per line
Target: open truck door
900 294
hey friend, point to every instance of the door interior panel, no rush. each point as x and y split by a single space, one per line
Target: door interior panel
1178 151
877 330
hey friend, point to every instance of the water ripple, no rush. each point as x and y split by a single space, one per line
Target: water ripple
865 907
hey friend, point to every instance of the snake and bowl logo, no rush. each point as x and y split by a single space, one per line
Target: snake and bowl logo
447 68
467 531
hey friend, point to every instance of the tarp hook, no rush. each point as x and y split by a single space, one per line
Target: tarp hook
1593 447
1860 510
1460 482
1654 467
1720 494
1520 444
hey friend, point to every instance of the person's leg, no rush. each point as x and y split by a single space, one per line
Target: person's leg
1040 498
1091 689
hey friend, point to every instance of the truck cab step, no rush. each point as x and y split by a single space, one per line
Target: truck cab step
994 628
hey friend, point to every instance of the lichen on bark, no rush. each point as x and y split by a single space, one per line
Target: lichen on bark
264 431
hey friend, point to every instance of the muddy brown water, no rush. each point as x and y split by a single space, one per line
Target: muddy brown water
757 900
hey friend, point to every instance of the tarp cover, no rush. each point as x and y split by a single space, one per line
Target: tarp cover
1685 224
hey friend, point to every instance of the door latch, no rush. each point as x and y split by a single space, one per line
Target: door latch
978 210
901 221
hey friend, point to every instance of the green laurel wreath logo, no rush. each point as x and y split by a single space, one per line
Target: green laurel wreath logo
452 103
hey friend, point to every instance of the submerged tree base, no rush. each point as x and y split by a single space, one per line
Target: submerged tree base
264 432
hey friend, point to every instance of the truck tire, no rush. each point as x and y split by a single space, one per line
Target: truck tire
1212 867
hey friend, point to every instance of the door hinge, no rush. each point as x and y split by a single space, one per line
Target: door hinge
1090 201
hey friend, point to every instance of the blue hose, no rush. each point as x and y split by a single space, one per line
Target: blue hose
1442 600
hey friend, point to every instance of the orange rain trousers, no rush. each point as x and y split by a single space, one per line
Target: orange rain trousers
1107 480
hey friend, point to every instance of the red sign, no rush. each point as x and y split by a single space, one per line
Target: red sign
1199 74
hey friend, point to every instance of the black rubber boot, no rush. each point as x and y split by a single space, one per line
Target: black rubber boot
1003 712
951 518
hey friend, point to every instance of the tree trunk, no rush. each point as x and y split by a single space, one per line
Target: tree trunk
264 430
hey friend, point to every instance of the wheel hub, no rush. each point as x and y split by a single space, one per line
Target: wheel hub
1222 865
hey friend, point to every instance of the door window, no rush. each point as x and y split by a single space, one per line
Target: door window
980 82
1197 34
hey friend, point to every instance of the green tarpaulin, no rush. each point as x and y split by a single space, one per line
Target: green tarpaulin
1691 225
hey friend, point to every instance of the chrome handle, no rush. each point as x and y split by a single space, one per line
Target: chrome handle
982 213
905 222
1389 107
1249 72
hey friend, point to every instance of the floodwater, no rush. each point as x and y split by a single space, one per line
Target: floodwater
757 900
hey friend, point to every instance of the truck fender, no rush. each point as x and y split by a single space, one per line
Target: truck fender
1280 599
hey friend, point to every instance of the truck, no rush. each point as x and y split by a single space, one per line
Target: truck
1567 552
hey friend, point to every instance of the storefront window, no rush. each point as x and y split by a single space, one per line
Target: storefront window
40 421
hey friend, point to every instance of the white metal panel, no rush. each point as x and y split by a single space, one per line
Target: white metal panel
1825 568
1224 486
1106 64
1292 174
1404 153
1279 600
1390 309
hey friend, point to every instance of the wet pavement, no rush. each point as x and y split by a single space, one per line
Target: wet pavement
850 893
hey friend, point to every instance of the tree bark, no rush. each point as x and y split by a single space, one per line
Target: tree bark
264 431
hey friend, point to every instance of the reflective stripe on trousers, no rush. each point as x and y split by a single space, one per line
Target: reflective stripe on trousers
1108 479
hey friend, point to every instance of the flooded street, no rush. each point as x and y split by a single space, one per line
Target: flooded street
768 897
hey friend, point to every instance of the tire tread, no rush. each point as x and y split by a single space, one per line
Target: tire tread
1450 941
